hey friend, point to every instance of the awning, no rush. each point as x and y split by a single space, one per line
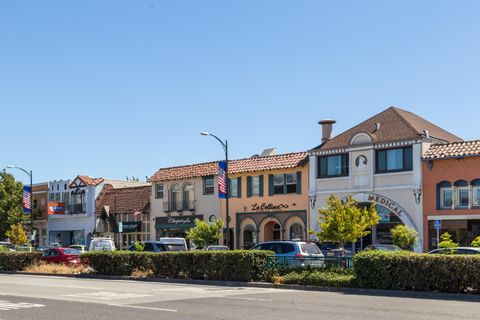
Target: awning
133 226
174 226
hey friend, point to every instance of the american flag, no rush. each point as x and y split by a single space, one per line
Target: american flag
27 193
222 179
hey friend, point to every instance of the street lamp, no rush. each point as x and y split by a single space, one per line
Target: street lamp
30 175
227 195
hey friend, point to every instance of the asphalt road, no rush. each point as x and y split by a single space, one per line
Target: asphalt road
36 297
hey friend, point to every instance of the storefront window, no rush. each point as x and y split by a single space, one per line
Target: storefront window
462 231
296 232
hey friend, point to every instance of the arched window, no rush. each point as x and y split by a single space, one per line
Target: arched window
249 236
476 193
296 232
176 197
276 232
462 195
188 197
78 201
444 195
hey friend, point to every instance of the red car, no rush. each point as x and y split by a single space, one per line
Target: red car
67 256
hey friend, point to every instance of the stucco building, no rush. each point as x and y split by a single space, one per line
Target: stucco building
378 161
40 217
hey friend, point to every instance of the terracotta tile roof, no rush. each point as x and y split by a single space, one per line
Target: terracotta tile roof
395 125
125 200
89 181
453 150
282 161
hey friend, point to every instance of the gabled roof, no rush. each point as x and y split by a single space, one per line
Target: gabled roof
125 200
395 125
281 161
453 150
86 181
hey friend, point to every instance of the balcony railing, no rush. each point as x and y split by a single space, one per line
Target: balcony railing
77 208
179 206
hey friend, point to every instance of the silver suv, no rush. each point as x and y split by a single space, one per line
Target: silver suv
293 252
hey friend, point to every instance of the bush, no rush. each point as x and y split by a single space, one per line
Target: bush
117 263
418 272
18 261
323 278
476 242
404 237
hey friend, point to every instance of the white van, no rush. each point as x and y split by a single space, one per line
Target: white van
102 244
175 244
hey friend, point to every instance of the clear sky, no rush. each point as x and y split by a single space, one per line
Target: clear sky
117 88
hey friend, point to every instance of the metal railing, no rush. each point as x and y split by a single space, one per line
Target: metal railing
275 262
179 206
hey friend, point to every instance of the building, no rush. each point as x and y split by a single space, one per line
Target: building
77 224
182 194
378 161
131 207
268 199
40 217
451 184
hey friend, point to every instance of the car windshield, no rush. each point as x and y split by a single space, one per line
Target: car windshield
175 247
71 251
310 248
387 247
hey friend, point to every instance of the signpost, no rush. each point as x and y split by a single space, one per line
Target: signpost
438 225
120 230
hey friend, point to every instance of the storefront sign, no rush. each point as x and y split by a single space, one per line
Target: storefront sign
183 222
56 208
268 206
386 203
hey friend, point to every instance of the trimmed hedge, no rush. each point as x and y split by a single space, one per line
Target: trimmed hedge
238 265
418 272
322 278
18 261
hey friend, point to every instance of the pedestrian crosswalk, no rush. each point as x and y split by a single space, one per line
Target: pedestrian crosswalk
7 305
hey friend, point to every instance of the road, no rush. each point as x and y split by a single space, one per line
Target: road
25 297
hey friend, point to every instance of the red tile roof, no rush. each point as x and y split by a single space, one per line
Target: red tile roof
87 180
395 125
282 161
125 200
453 150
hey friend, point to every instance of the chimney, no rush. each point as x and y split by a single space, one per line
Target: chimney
327 126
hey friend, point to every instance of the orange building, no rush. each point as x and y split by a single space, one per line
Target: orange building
268 199
451 183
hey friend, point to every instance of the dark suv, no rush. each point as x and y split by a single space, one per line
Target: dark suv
151 246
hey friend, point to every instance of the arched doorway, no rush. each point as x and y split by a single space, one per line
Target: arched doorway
272 231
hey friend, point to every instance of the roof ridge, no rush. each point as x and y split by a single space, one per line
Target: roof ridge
270 156
396 110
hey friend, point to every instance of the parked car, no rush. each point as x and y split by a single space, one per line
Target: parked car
66 256
151 246
7 245
79 247
175 244
294 252
458 250
41 249
102 244
325 247
217 248
383 247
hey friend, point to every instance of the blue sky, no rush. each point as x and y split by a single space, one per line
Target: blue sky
117 88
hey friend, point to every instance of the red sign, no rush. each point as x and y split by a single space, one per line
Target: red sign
56 208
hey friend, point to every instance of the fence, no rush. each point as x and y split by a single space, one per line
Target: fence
292 261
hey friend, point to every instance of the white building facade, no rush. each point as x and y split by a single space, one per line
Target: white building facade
376 162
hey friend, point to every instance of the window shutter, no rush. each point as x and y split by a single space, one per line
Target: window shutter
249 186
239 186
299 182
260 187
270 185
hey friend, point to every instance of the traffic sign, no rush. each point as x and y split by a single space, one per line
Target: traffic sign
437 224
120 227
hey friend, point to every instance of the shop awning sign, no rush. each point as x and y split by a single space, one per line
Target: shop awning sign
56 208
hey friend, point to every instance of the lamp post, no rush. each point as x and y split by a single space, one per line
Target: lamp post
227 196
30 175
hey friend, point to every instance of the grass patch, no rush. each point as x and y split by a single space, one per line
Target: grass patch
55 268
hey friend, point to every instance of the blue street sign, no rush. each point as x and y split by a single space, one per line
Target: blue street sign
437 224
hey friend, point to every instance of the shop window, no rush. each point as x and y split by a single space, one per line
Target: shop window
296 232
208 185
332 166
394 160
159 191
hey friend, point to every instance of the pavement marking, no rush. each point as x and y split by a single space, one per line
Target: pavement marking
7 305
248 299
103 295
140 307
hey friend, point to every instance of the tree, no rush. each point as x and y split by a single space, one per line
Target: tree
205 234
447 241
345 221
10 203
476 242
17 234
404 237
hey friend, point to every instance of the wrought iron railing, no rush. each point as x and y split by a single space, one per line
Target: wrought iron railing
275 262
179 206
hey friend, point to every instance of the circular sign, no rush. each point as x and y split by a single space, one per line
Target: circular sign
212 218
361 161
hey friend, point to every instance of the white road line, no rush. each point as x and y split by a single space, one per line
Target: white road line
140 307
248 299
7 305
106 295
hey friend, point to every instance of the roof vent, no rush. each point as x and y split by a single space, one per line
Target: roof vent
426 133
327 128
269 152
377 126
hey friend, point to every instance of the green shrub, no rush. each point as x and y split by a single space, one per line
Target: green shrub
4 249
476 242
18 261
418 272
118 263
323 278
447 241
404 237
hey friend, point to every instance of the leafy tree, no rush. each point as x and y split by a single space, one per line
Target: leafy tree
10 203
205 234
17 234
404 237
345 221
476 242
137 246
447 241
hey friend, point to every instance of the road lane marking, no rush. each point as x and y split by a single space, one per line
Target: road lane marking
7 305
248 299
140 307
103 295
